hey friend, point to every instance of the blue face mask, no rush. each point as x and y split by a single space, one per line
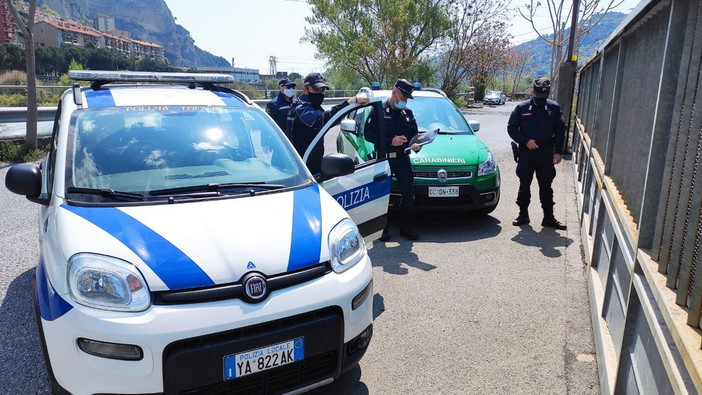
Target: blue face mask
401 105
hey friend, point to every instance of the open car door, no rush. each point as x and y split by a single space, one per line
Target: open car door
365 193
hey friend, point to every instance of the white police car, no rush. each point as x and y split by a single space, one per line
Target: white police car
186 248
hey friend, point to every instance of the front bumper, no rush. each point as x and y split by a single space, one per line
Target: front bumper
468 198
184 345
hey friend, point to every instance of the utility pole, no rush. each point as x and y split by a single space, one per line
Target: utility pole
272 61
566 73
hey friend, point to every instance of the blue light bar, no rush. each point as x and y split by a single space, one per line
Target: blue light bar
417 86
375 86
148 76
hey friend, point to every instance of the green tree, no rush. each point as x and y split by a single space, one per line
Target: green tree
11 57
380 40
474 45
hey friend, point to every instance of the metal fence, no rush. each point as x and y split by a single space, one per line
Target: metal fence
637 144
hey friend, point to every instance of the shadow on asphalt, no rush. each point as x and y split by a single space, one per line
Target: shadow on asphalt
348 384
22 361
547 240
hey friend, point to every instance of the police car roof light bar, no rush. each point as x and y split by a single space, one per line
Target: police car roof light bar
102 77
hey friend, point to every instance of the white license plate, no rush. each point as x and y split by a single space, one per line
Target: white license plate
269 357
443 191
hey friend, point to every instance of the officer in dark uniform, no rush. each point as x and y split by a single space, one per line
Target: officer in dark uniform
400 127
306 117
278 107
537 125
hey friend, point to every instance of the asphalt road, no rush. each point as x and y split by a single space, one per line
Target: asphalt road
476 306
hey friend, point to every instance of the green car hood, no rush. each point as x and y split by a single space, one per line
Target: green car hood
451 150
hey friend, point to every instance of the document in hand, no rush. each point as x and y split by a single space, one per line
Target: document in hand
423 138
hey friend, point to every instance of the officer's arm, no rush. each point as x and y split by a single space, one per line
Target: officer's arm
334 110
513 127
559 133
311 117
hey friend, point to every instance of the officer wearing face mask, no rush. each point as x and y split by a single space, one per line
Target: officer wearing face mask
278 108
400 127
537 125
306 117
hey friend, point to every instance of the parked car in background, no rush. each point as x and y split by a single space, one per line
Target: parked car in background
456 171
495 97
186 248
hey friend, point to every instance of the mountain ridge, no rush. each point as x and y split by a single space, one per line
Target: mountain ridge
145 20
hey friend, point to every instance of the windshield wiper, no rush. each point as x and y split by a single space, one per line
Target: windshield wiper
215 187
107 193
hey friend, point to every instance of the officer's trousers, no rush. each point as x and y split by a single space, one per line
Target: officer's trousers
402 169
539 161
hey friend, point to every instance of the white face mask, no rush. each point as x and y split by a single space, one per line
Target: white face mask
289 92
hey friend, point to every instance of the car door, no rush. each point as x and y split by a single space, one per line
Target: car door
365 193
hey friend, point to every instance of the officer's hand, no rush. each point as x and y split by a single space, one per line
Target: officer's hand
557 158
416 147
362 99
398 140
531 144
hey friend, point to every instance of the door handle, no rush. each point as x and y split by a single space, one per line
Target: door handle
380 177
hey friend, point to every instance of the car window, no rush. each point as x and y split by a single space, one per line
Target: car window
142 149
438 113
352 135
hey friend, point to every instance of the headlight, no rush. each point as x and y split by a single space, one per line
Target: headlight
487 167
107 283
346 245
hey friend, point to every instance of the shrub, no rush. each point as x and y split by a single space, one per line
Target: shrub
11 152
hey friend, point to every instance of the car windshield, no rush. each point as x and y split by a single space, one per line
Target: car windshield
143 150
493 93
438 113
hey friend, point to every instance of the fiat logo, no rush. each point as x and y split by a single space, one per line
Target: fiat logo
442 175
255 287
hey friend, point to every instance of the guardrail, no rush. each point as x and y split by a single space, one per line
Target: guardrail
16 115
638 173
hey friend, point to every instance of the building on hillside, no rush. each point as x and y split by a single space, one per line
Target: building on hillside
7 24
55 34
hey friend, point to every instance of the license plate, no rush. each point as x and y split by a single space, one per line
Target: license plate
269 357
443 191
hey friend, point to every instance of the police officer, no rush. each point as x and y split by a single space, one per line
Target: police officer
537 125
278 107
306 117
400 127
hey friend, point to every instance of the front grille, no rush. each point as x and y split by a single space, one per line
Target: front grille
236 290
450 174
195 365
275 380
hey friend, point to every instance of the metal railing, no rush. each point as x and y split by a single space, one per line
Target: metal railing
637 145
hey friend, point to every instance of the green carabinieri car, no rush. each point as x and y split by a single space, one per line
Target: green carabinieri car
456 171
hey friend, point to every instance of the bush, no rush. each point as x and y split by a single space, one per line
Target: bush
11 152
13 78
13 100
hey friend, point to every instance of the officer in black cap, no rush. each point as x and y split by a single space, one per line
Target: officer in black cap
278 108
537 125
306 117
400 127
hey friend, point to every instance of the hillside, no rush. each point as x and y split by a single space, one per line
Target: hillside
146 20
541 60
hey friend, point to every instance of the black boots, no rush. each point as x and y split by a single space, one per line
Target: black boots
523 217
551 222
384 236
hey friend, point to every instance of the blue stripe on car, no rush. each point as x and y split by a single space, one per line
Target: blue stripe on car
99 98
306 238
51 304
229 99
169 263
363 194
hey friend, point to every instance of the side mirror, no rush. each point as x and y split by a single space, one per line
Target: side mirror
474 124
348 125
25 179
335 165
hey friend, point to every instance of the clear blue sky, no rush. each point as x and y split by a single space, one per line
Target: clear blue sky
251 31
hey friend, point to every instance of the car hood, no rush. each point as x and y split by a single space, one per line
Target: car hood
199 244
451 150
